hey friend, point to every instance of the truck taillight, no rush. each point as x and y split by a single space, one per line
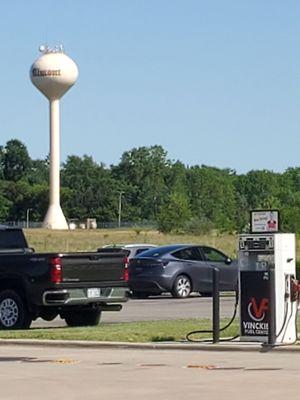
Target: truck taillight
126 274
56 270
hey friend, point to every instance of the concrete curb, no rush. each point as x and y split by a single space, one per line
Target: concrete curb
225 346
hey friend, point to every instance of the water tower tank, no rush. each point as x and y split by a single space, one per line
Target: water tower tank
53 73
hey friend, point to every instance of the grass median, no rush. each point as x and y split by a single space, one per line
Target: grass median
142 332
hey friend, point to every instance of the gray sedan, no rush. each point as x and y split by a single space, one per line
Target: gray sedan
180 269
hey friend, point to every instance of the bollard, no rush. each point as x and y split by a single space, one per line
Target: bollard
271 317
216 305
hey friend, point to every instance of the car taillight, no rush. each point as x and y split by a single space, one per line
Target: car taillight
56 270
126 274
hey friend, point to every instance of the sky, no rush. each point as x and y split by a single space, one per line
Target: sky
213 82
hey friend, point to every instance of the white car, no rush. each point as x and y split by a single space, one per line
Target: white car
132 250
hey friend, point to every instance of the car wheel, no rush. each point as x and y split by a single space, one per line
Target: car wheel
182 287
13 311
83 318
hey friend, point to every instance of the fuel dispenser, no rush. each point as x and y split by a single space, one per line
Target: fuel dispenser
268 288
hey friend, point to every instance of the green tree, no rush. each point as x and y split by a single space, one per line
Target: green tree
39 172
5 203
260 188
174 213
16 160
142 172
22 196
93 193
212 196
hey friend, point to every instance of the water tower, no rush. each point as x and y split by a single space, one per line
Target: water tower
53 73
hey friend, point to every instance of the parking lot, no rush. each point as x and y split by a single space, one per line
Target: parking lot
159 308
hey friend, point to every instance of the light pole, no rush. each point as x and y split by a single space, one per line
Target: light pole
120 209
27 217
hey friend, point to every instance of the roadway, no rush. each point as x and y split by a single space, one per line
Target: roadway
159 308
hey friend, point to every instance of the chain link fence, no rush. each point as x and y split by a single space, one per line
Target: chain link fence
77 224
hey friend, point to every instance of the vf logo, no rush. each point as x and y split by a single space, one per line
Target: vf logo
258 311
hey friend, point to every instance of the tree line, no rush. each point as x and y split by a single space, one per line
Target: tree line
152 188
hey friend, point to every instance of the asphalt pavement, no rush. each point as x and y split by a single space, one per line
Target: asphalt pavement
91 370
159 308
52 372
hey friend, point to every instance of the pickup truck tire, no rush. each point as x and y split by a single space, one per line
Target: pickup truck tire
83 318
13 311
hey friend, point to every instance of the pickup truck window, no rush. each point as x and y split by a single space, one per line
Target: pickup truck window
12 239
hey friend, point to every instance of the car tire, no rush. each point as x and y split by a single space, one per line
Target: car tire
140 295
182 287
14 313
83 318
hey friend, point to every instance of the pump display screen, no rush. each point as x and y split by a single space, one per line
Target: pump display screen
255 303
256 261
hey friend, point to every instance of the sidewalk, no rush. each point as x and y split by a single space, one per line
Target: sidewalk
33 370
188 346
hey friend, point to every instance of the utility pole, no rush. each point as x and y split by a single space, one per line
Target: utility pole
27 217
120 209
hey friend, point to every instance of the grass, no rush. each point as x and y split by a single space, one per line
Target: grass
129 332
142 332
43 240
89 240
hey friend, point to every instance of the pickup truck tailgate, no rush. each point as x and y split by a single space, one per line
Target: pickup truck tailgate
92 267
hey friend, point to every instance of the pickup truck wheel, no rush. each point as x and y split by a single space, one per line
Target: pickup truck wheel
83 318
13 311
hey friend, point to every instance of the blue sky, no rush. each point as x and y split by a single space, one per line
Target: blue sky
213 82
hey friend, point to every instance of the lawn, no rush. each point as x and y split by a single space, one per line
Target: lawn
130 332
44 240
142 332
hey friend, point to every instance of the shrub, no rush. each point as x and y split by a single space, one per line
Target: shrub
198 226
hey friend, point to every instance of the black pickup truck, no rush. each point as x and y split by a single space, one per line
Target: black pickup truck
75 286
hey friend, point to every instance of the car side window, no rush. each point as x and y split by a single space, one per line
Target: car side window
190 253
213 255
138 251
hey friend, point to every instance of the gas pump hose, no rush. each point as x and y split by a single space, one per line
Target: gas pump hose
284 324
188 336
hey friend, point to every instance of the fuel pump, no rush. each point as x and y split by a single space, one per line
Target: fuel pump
268 288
